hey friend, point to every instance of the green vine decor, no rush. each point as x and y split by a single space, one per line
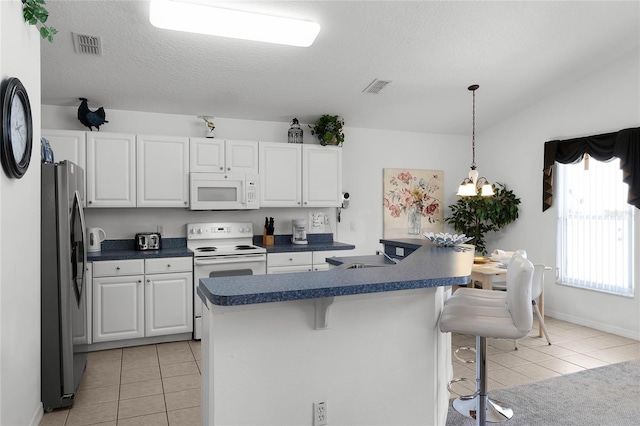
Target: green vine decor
475 216
33 12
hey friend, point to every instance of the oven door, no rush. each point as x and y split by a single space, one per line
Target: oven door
222 266
210 191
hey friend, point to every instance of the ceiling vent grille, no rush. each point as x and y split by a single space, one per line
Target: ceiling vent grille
88 44
376 86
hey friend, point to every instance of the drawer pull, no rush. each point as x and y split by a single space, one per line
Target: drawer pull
168 265
117 268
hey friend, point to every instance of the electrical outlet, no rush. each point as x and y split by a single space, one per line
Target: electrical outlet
320 413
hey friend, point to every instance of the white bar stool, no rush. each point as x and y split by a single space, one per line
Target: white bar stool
479 312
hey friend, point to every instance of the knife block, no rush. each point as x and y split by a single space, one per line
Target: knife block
267 240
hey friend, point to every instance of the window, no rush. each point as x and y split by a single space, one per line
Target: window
595 228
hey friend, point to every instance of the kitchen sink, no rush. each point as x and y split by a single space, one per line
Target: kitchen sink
360 265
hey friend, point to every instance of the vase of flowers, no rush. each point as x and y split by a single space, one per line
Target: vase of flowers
414 197
328 129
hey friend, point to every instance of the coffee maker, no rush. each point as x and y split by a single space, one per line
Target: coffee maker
299 231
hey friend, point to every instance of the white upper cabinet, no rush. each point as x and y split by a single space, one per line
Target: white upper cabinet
209 155
68 145
280 174
162 171
321 176
111 169
295 175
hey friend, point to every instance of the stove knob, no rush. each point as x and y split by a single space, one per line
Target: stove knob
247 229
192 231
200 230
241 229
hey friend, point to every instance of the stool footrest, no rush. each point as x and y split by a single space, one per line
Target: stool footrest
464 348
458 380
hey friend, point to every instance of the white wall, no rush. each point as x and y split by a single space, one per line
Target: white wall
365 154
20 238
606 101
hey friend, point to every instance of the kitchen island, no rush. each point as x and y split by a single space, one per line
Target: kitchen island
365 341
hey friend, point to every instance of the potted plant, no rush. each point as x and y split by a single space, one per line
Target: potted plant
33 11
328 128
477 215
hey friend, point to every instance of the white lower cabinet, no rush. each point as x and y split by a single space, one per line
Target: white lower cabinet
142 298
305 261
118 308
168 304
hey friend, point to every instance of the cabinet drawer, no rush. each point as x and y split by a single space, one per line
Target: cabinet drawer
110 268
168 264
289 259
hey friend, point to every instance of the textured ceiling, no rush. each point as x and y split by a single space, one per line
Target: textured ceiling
518 52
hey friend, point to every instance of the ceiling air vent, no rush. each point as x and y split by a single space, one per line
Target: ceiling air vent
376 86
91 45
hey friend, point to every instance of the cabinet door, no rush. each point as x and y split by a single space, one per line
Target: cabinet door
322 176
111 170
241 156
68 145
206 155
118 308
168 304
280 174
163 171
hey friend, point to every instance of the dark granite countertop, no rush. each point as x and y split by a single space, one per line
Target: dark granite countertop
125 249
316 242
412 243
429 266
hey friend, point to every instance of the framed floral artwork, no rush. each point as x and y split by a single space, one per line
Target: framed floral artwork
413 202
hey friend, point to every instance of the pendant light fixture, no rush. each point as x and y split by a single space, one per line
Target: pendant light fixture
471 185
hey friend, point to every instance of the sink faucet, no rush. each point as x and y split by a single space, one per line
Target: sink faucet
378 252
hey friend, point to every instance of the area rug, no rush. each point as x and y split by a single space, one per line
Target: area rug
603 396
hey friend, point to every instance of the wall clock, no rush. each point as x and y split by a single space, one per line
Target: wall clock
17 128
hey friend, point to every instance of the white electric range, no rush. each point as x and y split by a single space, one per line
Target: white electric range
222 250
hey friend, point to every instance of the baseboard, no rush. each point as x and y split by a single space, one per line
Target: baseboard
624 332
100 346
37 415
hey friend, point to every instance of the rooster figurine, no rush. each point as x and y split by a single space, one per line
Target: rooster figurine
91 118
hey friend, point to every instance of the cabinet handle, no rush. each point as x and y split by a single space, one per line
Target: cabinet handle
185 203
305 202
117 268
168 265
90 201
221 168
290 260
148 280
228 168
139 281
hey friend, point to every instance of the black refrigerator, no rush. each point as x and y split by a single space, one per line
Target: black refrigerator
64 336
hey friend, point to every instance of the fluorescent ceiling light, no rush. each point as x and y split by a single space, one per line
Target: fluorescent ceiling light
203 19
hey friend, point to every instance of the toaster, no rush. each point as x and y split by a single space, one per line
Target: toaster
148 241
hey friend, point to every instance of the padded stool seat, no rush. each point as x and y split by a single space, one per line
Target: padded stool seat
485 313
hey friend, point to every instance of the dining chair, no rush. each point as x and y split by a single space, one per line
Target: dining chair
537 286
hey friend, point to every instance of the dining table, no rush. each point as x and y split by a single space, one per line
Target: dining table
485 273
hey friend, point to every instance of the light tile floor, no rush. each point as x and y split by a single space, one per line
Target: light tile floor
142 385
574 348
160 384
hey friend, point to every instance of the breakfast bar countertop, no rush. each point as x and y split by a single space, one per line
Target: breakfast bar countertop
429 266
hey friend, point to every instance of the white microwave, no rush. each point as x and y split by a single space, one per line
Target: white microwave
218 191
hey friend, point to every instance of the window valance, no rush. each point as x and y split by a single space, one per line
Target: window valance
624 144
